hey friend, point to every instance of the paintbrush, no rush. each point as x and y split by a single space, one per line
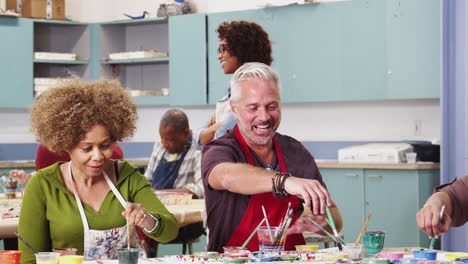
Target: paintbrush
267 223
253 233
128 236
363 228
25 243
284 232
283 224
322 229
441 217
332 225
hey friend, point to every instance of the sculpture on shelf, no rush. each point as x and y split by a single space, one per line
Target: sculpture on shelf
138 17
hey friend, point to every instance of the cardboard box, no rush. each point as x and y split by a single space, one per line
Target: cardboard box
47 9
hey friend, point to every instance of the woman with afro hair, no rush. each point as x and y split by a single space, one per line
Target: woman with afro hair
90 202
238 42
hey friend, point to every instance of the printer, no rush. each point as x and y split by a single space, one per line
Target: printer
375 153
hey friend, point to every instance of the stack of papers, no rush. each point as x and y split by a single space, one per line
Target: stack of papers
131 55
54 56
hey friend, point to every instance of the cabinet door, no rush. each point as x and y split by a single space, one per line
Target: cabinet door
187 67
16 66
393 197
346 187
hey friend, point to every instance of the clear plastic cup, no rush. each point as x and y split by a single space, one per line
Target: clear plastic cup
273 243
10 256
353 251
128 256
47 258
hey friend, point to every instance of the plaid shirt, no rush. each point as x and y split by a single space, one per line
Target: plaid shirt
189 171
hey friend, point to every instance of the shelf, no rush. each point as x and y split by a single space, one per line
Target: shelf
61 61
138 61
138 21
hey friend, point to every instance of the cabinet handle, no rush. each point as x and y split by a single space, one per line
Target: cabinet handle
350 175
374 176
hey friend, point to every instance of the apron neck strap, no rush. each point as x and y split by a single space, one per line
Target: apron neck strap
243 144
78 200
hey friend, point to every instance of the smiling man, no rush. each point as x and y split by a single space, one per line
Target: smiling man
253 166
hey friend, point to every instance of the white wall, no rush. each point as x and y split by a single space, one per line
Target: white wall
339 121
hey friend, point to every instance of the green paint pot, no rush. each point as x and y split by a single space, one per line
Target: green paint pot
128 256
374 241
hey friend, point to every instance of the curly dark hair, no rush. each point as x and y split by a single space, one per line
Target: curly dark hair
62 115
247 41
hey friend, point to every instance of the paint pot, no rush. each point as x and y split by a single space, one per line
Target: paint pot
208 254
235 252
452 256
70 259
425 254
374 241
353 251
334 256
288 255
235 260
391 255
375 261
310 248
464 260
410 260
65 251
47 258
128 255
261 256
10 256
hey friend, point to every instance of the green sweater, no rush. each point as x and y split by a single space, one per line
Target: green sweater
50 217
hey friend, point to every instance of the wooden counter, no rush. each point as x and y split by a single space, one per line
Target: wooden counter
320 164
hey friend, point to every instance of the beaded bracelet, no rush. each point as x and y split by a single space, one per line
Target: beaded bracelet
278 181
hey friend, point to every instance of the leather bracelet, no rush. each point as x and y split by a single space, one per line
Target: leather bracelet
156 220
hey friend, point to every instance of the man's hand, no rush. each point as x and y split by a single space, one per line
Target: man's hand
429 222
312 192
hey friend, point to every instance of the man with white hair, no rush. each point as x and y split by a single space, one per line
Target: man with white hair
253 166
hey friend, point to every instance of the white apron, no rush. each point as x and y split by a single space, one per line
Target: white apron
103 244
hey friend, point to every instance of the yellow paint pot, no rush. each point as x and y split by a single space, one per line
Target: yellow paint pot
310 248
453 256
333 256
71 259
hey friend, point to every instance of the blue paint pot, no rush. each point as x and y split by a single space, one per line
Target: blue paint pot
261 256
410 260
425 254
464 260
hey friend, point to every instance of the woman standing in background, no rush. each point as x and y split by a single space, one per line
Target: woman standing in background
238 42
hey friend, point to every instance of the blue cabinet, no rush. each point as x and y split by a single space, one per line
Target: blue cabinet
350 50
16 67
392 195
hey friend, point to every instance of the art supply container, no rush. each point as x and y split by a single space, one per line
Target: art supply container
375 261
47 258
261 256
70 259
425 254
452 256
309 248
374 241
235 260
10 256
353 251
235 252
288 255
411 157
9 187
267 243
128 256
410 260
391 255
65 251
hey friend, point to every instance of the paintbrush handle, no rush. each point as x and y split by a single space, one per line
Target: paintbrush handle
253 233
267 223
322 229
26 243
363 228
